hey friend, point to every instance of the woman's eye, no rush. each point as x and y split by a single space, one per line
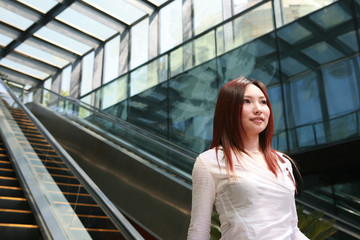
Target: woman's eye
264 102
246 101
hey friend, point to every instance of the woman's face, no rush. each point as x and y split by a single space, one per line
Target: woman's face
255 111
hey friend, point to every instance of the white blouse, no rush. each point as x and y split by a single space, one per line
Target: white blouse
257 205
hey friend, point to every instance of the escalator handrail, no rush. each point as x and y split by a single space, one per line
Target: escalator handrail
164 142
109 208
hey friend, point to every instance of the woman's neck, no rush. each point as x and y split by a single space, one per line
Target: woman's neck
252 144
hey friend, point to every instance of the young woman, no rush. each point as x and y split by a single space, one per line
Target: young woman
251 185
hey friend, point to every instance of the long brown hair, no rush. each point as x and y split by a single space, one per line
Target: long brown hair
228 131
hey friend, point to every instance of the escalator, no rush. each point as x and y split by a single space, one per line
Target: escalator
91 120
154 175
43 193
16 217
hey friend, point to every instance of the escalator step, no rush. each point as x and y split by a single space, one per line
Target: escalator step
11 191
7 202
9 181
16 216
19 231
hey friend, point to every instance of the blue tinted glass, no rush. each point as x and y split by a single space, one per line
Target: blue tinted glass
302 100
342 87
192 102
149 110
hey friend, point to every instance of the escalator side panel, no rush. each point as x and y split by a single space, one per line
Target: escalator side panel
146 195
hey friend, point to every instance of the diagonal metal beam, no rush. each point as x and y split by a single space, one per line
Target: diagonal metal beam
36 26
100 16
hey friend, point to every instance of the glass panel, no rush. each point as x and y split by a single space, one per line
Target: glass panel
5 40
251 25
41 55
303 101
148 110
14 19
292 11
114 92
326 20
119 9
342 87
342 128
62 41
85 24
207 13
249 60
139 43
140 80
23 69
65 81
176 61
40 5
322 52
111 59
204 48
192 101
87 73
294 33
241 5
171 25
277 106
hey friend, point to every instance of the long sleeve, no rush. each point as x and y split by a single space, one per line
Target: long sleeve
203 197
297 234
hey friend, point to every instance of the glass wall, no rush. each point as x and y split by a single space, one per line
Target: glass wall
310 67
87 73
171 26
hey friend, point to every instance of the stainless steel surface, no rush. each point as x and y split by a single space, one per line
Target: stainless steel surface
143 192
48 223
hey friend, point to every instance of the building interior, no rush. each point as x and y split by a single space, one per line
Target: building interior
107 103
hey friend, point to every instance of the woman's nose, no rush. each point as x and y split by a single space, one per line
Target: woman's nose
257 109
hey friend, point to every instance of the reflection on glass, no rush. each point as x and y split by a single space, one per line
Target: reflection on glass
170 25
176 61
14 19
207 13
204 48
65 81
111 59
241 5
294 33
291 67
342 87
139 43
87 73
302 100
192 101
349 39
292 10
322 52
326 20
114 92
252 25
86 24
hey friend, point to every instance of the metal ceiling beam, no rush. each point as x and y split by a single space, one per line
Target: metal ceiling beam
32 63
9 31
36 26
99 16
19 77
21 10
73 33
145 6
52 49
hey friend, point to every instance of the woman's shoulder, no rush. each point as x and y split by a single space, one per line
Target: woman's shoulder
211 154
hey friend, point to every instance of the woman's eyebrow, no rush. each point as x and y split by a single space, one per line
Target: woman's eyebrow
249 96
